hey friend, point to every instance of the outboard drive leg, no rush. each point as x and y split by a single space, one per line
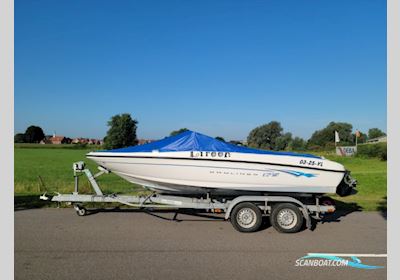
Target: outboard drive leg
347 185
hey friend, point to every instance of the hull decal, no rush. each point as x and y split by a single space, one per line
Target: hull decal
298 173
291 172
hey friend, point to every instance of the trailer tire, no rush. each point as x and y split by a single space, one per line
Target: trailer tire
246 217
286 218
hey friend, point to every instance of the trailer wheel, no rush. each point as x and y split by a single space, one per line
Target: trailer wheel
286 218
246 217
80 211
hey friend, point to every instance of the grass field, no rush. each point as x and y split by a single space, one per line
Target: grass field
55 168
54 165
371 176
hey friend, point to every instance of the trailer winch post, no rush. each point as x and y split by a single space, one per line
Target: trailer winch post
76 188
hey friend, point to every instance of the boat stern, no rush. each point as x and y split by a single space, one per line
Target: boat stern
347 185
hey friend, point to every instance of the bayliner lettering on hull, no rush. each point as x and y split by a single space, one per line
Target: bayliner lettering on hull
210 154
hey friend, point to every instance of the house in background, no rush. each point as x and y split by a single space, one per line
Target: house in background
377 140
46 140
92 141
79 140
58 139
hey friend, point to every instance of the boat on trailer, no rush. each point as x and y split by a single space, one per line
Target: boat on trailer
191 163
195 171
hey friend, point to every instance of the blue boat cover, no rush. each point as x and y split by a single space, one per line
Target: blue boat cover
194 141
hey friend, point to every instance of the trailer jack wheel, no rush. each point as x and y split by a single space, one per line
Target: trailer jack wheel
80 210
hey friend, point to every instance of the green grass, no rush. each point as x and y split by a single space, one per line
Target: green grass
371 176
55 168
54 165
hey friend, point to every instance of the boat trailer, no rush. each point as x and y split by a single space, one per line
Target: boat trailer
245 212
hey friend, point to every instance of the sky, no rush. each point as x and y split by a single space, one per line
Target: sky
220 67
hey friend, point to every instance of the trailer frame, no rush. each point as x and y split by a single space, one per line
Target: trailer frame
161 201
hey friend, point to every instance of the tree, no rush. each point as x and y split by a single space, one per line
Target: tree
19 138
34 134
176 132
327 135
220 138
265 136
375 132
235 142
298 144
282 142
122 132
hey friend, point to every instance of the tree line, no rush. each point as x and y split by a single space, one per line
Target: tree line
33 134
269 136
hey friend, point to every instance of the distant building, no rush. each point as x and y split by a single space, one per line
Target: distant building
377 140
92 141
75 141
80 140
58 139
46 140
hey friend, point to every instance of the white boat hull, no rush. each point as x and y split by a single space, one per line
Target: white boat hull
184 173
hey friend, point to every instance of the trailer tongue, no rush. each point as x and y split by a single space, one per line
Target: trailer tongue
245 212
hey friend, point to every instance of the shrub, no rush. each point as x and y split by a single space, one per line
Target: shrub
314 148
79 146
378 150
298 144
19 138
330 146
